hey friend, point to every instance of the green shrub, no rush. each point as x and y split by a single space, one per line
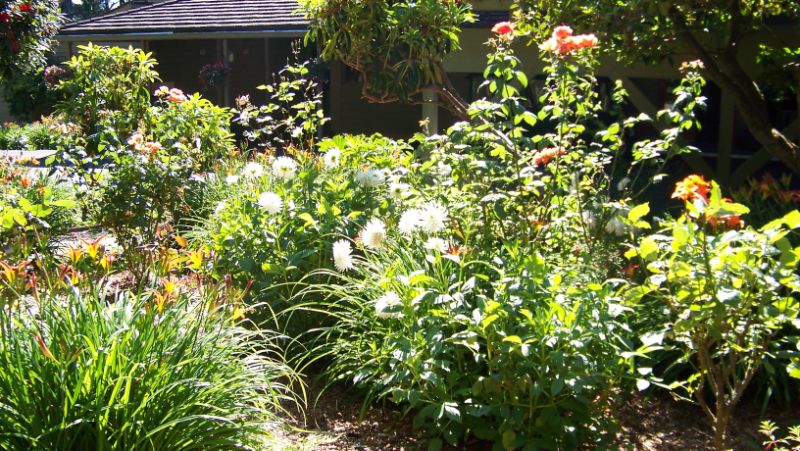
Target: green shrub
107 92
511 350
96 370
729 292
293 115
271 239
27 95
482 302
373 39
12 137
148 152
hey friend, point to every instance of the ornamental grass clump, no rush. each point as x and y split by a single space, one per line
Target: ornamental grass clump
94 370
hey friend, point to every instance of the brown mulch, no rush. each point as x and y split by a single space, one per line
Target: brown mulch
652 422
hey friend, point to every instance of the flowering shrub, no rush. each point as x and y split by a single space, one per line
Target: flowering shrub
106 93
729 292
505 350
481 302
280 215
148 153
145 186
28 28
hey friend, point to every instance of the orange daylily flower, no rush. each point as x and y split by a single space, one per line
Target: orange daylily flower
44 348
693 187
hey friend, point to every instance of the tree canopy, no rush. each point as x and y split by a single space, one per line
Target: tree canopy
712 30
396 46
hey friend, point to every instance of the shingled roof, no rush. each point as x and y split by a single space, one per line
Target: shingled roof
195 16
175 17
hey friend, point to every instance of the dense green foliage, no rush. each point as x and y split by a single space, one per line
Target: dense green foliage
729 293
372 37
28 28
150 151
653 31
85 366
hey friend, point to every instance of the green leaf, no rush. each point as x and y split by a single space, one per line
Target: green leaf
64 203
792 219
648 248
435 444
638 212
509 437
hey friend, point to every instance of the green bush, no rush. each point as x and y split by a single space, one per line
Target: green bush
107 92
96 370
34 209
148 152
12 137
278 216
27 95
511 350
729 292
484 303
292 117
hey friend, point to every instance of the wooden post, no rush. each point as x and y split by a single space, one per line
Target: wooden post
725 141
430 112
227 89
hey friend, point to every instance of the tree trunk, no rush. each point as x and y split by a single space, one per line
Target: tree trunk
727 73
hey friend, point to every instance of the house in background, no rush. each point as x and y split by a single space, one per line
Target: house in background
254 38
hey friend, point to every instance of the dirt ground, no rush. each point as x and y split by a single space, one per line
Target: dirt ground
654 422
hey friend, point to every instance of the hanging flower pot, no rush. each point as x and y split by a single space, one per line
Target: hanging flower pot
213 74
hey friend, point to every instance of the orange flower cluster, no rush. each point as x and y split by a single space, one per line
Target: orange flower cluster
563 42
688 66
503 29
173 95
725 222
544 156
176 96
140 145
693 187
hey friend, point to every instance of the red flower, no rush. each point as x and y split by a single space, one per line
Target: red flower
727 222
562 32
544 156
693 187
4 17
26 8
503 28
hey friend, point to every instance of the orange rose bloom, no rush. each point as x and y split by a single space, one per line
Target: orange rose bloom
544 156
176 96
503 28
562 42
562 32
692 188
